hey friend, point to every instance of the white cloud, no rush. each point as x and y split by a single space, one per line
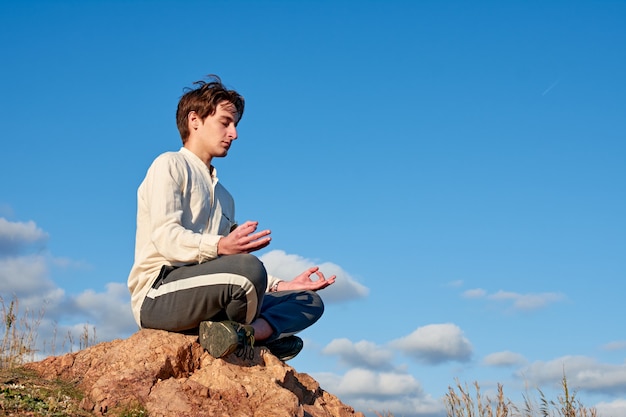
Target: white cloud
287 266
615 408
24 274
361 354
379 392
59 318
581 372
16 236
528 302
616 345
436 343
45 309
382 384
505 358
475 293
21 276
519 302
111 310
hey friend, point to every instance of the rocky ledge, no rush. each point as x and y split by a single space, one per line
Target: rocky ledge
169 374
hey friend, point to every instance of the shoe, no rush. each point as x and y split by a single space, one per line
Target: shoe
221 338
286 348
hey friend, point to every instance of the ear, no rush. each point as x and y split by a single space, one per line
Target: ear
193 120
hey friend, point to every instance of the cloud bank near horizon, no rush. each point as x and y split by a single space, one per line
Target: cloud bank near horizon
375 376
26 276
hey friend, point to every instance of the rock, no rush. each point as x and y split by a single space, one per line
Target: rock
169 374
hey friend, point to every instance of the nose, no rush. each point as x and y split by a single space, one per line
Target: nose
232 133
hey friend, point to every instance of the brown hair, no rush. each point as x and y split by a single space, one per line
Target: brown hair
204 100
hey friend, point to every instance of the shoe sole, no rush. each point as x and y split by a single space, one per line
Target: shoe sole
217 338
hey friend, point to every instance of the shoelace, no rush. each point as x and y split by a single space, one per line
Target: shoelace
245 352
246 349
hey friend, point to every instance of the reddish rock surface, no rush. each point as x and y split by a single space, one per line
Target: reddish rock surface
169 374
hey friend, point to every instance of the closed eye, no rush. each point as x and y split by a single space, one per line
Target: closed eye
226 121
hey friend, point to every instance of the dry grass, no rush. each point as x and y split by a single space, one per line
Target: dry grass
19 338
460 402
463 404
20 334
22 393
566 405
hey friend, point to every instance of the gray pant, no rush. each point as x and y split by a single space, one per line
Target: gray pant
227 288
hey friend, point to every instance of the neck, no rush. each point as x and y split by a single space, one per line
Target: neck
204 157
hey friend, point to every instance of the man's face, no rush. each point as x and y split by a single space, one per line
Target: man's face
218 131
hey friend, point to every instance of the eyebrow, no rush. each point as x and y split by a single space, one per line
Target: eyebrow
231 112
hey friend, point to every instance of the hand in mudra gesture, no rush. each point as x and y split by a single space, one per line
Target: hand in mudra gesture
304 281
243 239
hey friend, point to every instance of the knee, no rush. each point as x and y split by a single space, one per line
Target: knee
252 268
314 303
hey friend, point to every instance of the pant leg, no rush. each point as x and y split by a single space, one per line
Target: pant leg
227 288
289 312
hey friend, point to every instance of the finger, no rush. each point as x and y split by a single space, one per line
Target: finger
257 244
329 281
248 227
247 238
312 270
262 233
252 239
320 276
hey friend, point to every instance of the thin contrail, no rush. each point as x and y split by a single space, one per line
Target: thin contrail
550 88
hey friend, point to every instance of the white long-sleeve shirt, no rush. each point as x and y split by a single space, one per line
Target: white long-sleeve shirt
182 212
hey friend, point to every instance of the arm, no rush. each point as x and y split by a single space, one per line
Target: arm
184 226
166 213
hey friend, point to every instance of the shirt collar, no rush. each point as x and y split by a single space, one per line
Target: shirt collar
197 161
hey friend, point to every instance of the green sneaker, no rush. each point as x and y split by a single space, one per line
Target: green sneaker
221 338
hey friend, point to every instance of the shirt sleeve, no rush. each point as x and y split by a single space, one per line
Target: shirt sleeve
166 196
271 281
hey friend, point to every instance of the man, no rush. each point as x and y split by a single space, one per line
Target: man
193 270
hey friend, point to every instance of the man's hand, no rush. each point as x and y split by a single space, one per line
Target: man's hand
304 281
243 240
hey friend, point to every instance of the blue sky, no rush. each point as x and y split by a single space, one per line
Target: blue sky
459 165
